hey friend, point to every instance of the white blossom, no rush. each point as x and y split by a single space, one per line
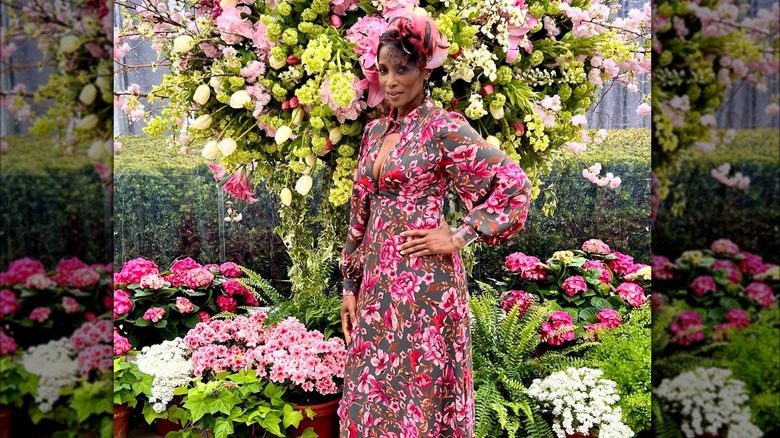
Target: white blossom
170 366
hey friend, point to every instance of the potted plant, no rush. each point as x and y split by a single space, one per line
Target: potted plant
129 384
17 385
579 402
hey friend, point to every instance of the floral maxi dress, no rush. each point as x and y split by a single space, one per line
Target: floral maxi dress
408 371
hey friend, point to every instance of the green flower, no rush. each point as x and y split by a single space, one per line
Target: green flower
284 9
341 89
317 54
290 36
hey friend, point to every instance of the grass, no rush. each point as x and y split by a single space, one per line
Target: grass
28 154
144 154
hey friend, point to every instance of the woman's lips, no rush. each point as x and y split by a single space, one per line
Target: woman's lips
394 94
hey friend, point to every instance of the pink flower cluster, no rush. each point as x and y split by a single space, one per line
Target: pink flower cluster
622 265
74 272
93 341
752 264
70 305
703 284
154 314
735 319
40 314
608 319
573 285
519 298
595 246
184 305
7 344
529 267
134 270
632 293
234 288
558 329
152 281
20 270
40 282
663 269
122 303
183 265
761 293
8 302
687 329
121 344
230 269
727 265
197 277
605 276
724 246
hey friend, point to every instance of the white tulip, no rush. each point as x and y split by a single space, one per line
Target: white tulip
202 122
307 170
215 82
297 116
239 99
497 113
183 44
108 145
69 44
87 123
303 185
495 142
286 196
227 146
96 150
311 160
334 135
202 94
282 134
210 150
224 4
88 94
276 64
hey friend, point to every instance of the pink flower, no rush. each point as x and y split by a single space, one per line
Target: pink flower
204 316
70 265
183 265
727 265
8 302
595 246
605 276
20 270
687 329
152 281
184 305
609 318
405 287
154 314
340 7
574 285
197 277
703 284
233 29
122 303
752 263
233 287
240 187
622 264
724 246
40 282
738 318
226 304
632 293
523 300
40 314
529 267
70 305
7 344
662 268
761 294
558 329
134 270
518 31
230 269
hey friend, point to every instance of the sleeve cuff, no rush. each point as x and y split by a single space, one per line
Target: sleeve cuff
350 288
466 232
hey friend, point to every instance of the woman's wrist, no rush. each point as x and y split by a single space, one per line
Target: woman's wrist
464 236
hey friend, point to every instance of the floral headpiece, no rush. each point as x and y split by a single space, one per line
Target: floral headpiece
419 35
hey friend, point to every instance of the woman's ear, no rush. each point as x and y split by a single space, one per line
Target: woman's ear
427 73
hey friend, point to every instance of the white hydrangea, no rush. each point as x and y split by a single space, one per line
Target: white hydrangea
56 367
465 66
710 401
476 108
170 366
581 401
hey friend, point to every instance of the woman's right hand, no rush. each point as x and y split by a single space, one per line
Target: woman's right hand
348 316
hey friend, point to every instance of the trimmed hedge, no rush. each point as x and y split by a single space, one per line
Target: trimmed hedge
54 205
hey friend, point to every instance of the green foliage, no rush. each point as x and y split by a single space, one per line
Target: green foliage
321 312
85 405
262 289
16 384
129 382
623 354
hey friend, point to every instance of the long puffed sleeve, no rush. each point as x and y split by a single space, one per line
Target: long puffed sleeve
353 257
493 188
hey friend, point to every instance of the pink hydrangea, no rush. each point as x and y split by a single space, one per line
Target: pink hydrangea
183 265
226 304
20 270
609 318
573 285
233 287
7 344
761 293
154 314
519 298
70 305
605 276
40 314
122 303
95 357
558 329
727 265
595 246
40 282
204 316
152 281
632 293
724 246
529 267
751 264
70 265
703 284
230 269
197 277
8 302
134 270
662 268
687 329
84 277
184 305
91 333
622 264
656 301
340 7
121 344
738 318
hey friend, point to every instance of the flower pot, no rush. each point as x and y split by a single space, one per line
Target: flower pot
325 422
163 426
121 420
5 421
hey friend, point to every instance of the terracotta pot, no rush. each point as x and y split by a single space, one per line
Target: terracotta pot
5 421
163 426
121 420
325 422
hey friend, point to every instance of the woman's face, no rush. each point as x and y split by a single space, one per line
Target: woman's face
401 81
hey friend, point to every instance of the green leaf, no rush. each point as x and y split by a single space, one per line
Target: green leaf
196 403
271 424
291 417
150 415
309 433
600 303
588 314
223 428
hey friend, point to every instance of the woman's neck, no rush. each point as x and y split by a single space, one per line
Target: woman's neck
401 112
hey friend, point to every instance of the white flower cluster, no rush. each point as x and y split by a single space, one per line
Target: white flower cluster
476 108
471 61
56 368
580 400
170 366
710 401
536 77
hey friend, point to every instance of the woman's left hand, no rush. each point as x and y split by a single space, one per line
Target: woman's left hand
421 243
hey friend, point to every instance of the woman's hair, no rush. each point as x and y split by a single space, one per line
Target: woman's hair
419 38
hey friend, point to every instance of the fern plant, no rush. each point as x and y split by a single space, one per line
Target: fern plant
263 290
504 349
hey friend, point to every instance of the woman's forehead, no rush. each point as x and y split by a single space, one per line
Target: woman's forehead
392 55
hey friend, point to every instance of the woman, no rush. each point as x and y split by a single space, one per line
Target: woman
405 311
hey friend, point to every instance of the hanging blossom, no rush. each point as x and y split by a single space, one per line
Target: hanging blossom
721 173
592 175
170 366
